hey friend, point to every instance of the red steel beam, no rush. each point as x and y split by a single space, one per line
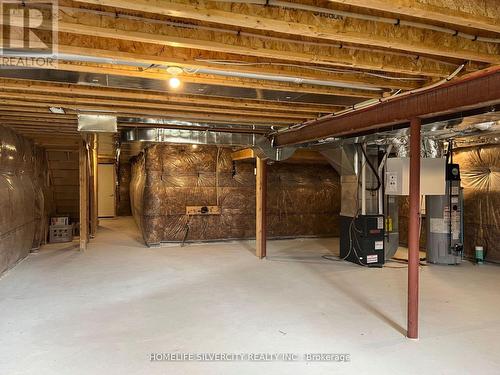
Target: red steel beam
472 91
413 229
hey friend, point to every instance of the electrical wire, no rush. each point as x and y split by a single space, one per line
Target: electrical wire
373 170
187 231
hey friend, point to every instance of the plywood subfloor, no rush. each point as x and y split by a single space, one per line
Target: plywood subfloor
104 311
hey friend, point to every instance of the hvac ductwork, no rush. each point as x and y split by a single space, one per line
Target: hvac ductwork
259 143
431 148
401 147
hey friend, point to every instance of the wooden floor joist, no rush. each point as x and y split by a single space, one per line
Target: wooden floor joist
279 20
62 101
343 58
73 90
135 111
481 15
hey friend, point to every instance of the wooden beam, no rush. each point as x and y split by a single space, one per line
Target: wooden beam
118 44
261 208
93 185
154 73
84 195
199 59
316 58
40 126
482 15
301 155
244 154
153 116
38 115
132 111
63 100
279 20
105 92
41 121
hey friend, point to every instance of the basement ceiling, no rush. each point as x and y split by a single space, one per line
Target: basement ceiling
254 65
116 81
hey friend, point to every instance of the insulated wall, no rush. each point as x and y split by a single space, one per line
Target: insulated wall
123 200
63 166
303 199
25 197
480 173
404 208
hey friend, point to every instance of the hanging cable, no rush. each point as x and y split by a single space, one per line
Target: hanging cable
372 168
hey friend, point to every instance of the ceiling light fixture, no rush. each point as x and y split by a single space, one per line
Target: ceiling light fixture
57 110
174 82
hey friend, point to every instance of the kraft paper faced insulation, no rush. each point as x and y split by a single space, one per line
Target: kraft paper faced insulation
25 201
303 200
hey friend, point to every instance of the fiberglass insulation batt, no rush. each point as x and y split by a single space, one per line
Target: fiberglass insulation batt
302 200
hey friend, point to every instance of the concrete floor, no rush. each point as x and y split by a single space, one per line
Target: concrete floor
104 311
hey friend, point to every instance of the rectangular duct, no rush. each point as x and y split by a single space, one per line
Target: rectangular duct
97 123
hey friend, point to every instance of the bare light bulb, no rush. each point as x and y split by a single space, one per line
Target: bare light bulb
174 82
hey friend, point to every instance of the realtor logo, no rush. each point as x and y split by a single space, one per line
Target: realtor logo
28 33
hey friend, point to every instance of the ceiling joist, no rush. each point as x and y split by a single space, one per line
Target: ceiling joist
307 24
73 90
131 111
481 15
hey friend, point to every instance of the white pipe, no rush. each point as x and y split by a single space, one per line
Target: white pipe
363 180
315 68
228 73
289 79
380 189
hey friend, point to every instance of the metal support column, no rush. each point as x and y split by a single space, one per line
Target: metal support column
413 229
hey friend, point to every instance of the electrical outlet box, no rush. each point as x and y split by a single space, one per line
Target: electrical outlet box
432 176
203 210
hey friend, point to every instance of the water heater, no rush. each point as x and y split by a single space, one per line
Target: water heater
444 220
